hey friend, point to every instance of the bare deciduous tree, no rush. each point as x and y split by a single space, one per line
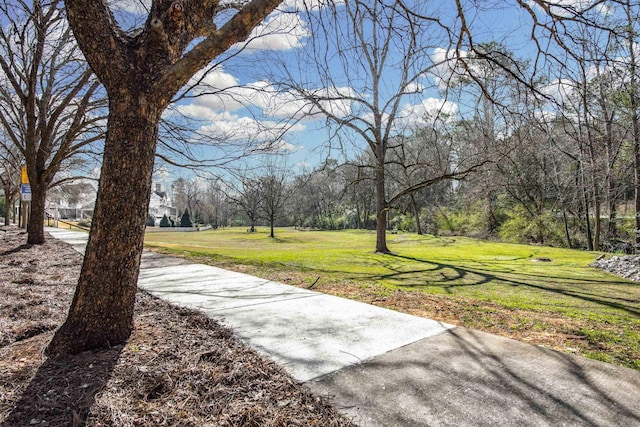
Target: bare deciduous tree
381 53
10 161
50 99
273 193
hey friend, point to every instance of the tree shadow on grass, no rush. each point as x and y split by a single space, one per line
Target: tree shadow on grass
63 390
465 277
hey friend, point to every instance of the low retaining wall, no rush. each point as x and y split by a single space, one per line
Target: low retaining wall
187 229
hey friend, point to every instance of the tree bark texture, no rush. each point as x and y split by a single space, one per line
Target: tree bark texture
102 309
35 227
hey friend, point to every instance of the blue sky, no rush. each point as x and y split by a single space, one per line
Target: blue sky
237 99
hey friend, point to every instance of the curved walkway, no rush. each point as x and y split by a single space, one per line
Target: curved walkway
386 368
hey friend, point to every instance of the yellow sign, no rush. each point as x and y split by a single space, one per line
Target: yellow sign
25 176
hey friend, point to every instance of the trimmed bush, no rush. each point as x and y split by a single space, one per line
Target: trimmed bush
164 222
185 220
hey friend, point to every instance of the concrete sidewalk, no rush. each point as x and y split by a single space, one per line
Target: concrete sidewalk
386 368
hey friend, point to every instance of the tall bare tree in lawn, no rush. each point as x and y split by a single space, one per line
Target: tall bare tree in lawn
374 58
273 192
141 71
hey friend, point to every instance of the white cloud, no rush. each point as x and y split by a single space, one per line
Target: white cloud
282 31
571 7
427 113
194 111
205 113
334 101
216 79
229 100
414 87
430 112
560 91
284 105
447 69
544 116
217 91
162 172
256 112
162 175
237 128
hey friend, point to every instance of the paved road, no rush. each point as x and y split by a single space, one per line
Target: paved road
386 368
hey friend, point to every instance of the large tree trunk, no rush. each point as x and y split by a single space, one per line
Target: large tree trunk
101 313
35 227
381 208
565 221
587 220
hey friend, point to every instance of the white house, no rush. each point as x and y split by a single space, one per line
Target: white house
77 200
160 205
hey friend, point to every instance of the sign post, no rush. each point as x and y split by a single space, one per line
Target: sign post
25 191
25 195
25 175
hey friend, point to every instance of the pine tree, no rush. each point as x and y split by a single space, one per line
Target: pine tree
164 222
185 220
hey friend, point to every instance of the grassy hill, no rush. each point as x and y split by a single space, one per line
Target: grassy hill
543 295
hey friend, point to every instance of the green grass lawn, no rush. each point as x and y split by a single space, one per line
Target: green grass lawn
491 286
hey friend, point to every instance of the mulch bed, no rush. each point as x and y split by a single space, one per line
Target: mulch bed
179 367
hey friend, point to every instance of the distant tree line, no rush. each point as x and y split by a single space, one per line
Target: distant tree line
541 187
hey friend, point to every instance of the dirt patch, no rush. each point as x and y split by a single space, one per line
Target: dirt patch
178 368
